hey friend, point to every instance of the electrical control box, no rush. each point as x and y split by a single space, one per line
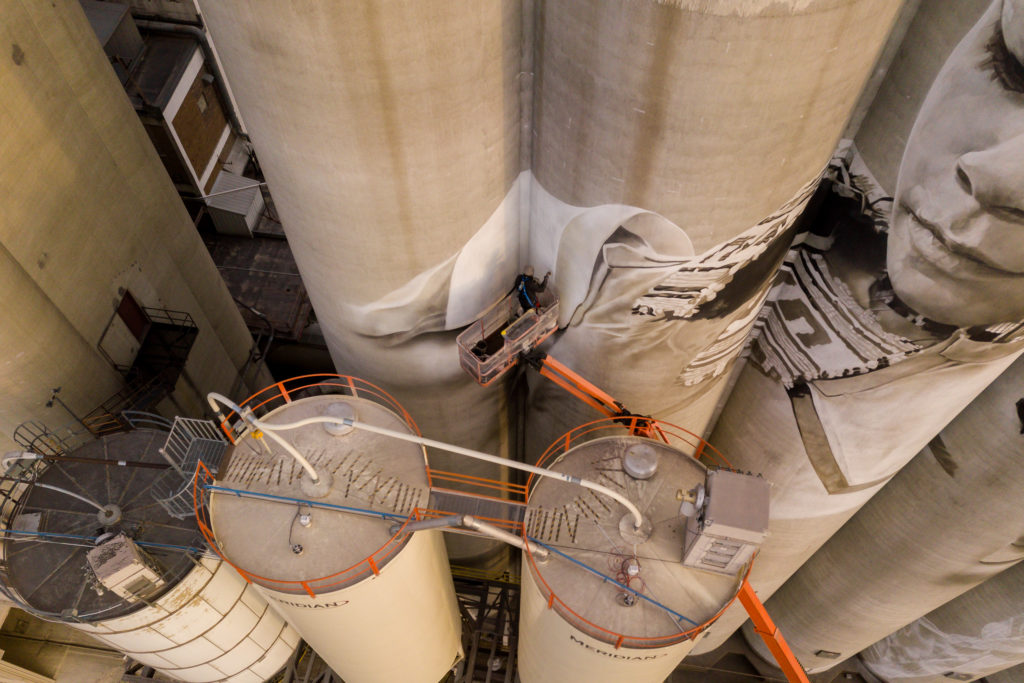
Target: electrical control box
728 523
122 567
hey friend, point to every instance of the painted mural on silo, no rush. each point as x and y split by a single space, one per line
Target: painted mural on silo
895 312
389 135
947 522
421 155
979 633
675 144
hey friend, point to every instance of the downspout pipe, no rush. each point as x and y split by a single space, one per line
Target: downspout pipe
470 523
167 28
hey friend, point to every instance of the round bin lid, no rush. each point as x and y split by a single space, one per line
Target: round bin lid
287 541
53 574
593 529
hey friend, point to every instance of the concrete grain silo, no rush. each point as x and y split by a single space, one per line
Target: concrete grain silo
422 154
605 600
389 133
87 199
88 543
323 551
979 633
947 522
868 347
674 145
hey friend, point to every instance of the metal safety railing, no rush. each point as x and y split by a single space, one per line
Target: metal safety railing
479 487
263 402
189 442
320 384
675 436
204 488
608 635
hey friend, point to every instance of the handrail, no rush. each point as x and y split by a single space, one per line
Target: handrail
634 511
613 637
769 632
674 436
281 393
513 493
671 434
607 579
510 524
369 565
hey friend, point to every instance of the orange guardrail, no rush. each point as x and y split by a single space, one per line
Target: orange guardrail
613 637
370 565
507 524
493 489
266 400
673 435
286 391
769 632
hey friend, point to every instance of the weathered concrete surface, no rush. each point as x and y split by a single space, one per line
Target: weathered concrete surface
947 522
87 202
978 633
706 122
649 105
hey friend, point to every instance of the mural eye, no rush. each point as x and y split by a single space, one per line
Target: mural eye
1006 68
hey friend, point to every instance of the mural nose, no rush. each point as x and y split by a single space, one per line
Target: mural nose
994 176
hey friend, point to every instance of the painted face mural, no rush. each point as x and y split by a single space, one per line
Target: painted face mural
893 315
956 245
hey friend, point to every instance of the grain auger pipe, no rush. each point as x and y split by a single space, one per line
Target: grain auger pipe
473 524
271 429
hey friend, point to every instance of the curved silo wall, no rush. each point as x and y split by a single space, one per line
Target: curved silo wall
675 143
979 633
389 135
211 626
89 215
946 523
879 332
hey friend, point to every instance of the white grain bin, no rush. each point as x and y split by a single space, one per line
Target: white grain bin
130 574
610 603
375 606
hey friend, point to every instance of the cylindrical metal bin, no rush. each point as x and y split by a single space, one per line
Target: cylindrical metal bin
130 574
608 602
323 553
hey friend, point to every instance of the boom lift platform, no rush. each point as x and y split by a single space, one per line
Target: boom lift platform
507 334
492 345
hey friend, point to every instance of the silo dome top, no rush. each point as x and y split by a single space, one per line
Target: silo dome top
53 534
591 538
284 531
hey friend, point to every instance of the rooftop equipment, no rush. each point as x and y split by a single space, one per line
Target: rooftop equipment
85 543
610 601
